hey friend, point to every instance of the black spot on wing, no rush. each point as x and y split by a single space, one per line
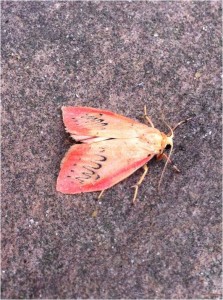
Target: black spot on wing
97 166
96 119
89 169
86 176
102 158
80 180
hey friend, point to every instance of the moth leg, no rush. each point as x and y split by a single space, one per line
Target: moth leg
139 183
100 195
164 156
147 117
95 212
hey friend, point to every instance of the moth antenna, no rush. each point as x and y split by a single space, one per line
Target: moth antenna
182 122
170 128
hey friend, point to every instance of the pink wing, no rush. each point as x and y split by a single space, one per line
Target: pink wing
98 166
85 122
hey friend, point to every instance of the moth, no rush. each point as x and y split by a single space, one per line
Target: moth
109 148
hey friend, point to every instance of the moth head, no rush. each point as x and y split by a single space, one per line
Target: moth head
168 138
168 144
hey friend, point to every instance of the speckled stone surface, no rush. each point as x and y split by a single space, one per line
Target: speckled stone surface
117 56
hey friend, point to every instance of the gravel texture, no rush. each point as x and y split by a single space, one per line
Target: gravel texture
117 56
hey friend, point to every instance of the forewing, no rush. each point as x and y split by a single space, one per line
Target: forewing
98 166
89 122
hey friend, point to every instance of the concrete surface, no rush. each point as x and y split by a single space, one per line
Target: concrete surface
117 56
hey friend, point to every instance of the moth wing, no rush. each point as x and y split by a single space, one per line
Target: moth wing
98 166
85 122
